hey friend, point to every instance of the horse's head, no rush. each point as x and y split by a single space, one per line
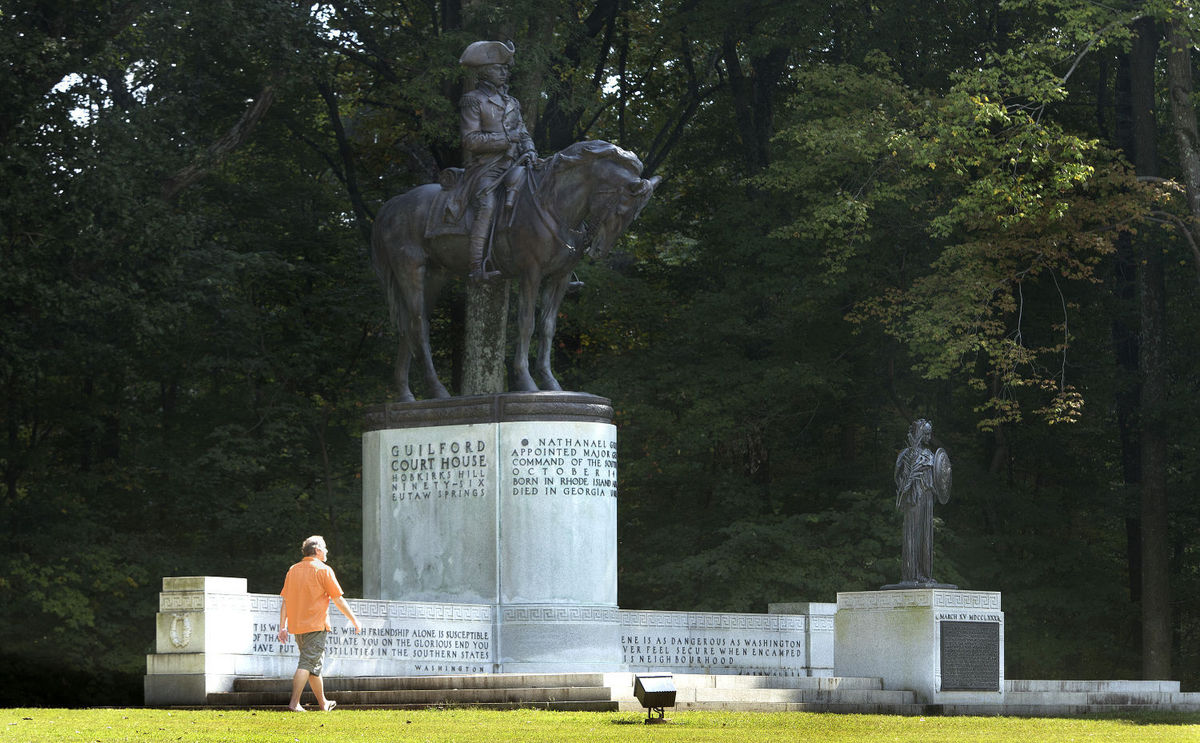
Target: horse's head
613 216
606 183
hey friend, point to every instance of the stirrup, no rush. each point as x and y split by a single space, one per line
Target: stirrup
478 273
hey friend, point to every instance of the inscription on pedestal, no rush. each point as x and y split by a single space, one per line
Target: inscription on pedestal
970 653
441 469
558 505
564 466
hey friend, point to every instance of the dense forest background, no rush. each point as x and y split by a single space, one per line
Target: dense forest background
983 212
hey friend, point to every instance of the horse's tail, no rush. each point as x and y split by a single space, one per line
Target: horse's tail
381 232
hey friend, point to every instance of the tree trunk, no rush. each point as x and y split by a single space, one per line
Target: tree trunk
1125 347
1156 542
753 90
1156 594
484 370
1183 116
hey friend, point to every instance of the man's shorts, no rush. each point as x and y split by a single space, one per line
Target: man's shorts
312 651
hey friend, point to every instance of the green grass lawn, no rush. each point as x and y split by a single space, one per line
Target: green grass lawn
561 727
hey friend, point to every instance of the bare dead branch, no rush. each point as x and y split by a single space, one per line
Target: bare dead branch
219 150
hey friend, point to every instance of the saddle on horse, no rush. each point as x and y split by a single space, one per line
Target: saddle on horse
453 209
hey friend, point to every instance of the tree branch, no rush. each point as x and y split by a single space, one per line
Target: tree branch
362 213
1162 217
221 149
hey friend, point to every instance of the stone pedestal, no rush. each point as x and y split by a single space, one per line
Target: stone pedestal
818 636
505 500
945 645
203 624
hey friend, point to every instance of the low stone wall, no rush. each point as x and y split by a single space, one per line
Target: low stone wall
712 643
210 631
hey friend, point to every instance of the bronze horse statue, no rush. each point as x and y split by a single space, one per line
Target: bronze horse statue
576 203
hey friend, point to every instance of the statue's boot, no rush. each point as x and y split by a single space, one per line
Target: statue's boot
478 244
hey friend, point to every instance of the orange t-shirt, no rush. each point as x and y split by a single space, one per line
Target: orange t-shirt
307 589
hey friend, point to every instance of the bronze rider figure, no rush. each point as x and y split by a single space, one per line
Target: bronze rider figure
494 141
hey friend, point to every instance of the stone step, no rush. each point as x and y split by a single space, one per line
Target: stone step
1121 686
1056 710
565 706
421 697
478 696
827 706
825 683
472 681
848 696
1152 698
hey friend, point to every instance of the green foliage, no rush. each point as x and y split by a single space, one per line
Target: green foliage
961 205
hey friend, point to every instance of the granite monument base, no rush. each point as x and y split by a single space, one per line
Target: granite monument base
211 631
494 499
947 646
508 501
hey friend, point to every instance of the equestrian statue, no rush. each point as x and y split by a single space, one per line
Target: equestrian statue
506 214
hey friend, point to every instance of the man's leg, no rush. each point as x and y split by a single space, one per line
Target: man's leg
318 688
480 232
312 651
298 680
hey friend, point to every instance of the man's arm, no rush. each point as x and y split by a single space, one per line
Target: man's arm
344 608
283 633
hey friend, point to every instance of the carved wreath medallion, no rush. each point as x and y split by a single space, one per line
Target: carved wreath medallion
181 630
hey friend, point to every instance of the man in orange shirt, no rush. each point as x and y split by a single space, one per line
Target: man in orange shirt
307 590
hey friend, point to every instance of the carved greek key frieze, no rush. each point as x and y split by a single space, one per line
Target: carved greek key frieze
966 600
439 612
264 603
173 601
559 614
919 598
683 620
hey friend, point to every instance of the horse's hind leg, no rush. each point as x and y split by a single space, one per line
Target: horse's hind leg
417 304
553 292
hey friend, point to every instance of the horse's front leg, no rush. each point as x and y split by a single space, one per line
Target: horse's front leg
403 359
433 281
527 300
552 296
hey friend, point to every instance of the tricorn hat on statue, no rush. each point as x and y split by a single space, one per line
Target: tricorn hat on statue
487 52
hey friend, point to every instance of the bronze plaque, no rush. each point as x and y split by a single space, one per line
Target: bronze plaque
970 656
